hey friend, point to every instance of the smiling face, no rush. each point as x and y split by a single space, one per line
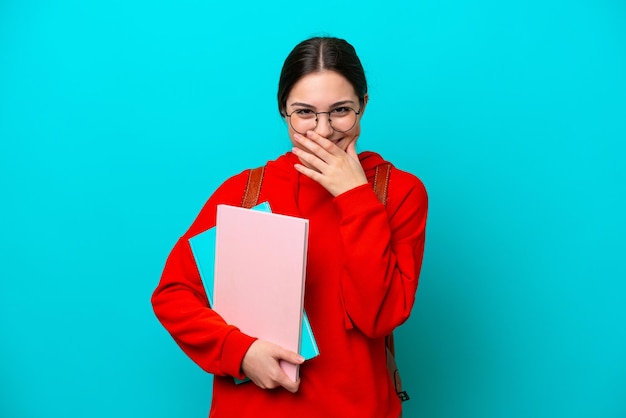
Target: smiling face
325 91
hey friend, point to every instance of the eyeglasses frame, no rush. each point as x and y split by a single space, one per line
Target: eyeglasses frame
330 121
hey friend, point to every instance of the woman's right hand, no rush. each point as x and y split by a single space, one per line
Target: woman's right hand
261 365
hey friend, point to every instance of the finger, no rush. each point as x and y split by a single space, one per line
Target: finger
317 145
310 173
325 143
316 137
351 149
292 386
289 356
311 160
312 147
292 357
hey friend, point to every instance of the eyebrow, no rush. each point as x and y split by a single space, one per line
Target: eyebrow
336 104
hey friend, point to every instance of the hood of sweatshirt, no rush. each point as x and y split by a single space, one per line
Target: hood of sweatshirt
286 181
369 161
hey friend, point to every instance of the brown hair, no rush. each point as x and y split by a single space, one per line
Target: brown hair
318 54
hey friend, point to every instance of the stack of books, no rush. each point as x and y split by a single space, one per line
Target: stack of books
253 268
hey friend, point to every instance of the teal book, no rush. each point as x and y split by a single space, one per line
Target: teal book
203 249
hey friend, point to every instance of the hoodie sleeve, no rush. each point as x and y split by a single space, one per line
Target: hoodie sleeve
180 301
383 249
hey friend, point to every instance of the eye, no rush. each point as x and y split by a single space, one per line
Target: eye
340 111
304 113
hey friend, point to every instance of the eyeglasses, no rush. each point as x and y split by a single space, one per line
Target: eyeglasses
341 119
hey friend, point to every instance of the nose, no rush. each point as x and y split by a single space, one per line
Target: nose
323 127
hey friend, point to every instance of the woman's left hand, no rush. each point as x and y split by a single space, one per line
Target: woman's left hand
335 169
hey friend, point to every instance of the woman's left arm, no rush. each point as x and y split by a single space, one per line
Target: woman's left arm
383 249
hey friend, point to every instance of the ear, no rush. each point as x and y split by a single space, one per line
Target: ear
365 99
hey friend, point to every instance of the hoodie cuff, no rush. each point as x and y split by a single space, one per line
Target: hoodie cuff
360 199
233 351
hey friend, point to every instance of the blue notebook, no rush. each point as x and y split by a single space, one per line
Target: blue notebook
203 249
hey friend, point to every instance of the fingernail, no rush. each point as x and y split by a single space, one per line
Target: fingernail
300 359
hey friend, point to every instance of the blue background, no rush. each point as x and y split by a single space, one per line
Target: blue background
119 118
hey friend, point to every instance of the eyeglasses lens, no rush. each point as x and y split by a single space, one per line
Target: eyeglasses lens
341 120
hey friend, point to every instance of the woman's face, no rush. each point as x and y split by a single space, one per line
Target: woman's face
324 91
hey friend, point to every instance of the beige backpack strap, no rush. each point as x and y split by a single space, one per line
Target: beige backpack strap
253 188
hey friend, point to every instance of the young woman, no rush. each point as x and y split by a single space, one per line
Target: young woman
364 257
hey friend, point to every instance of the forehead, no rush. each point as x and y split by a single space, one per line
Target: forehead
321 89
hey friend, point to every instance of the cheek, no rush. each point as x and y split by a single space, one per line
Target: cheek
291 132
356 131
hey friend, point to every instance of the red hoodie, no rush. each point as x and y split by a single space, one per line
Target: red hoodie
363 266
